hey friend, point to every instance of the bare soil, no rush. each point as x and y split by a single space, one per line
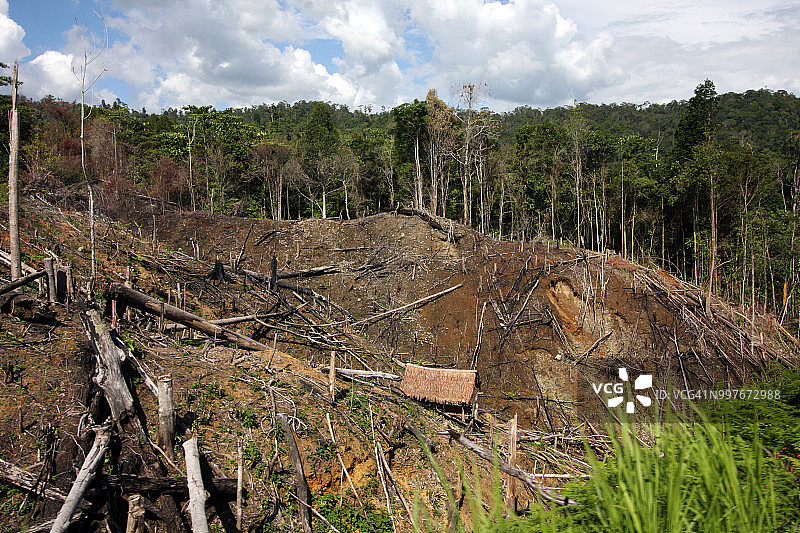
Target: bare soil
538 321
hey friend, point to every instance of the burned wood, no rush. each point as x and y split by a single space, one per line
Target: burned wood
301 486
217 487
143 302
529 479
268 235
311 272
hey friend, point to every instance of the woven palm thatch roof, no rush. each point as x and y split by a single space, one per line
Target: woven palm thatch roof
439 385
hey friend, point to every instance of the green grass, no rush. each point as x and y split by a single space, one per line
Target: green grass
733 469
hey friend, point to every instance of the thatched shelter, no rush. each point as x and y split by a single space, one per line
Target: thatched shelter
440 385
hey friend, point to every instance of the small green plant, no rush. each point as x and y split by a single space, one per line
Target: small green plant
247 417
348 518
251 453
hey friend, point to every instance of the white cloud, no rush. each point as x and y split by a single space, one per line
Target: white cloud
525 50
739 45
536 52
51 73
11 35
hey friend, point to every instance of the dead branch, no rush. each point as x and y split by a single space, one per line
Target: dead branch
303 493
27 481
218 487
413 305
529 479
362 374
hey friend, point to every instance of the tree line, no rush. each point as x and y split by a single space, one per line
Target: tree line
706 188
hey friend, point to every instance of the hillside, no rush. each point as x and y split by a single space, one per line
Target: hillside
538 323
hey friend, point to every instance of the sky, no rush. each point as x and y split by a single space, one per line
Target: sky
371 54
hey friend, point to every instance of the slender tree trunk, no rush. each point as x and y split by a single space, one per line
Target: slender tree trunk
13 180
623 230
418 170
663 223
279 209
324 200
713 261
191 170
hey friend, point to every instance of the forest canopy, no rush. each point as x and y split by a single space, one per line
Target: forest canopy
706 188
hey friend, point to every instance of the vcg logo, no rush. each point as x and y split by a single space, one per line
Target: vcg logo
615 392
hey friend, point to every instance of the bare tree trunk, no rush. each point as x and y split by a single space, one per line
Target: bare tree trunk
197 493
512 459
166 416
239 484
13 180
87 473
303 493
418 169
713 261
191 175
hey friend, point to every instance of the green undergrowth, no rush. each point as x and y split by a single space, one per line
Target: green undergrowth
731 468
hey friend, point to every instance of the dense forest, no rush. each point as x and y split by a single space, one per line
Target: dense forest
707 188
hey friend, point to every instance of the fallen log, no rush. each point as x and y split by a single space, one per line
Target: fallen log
432 222
301 486
24 280
197 492
91 465
362 374
311 272
27 481
407 307
527 478
222 488
5 258
148 304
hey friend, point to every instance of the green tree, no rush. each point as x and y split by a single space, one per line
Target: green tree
409 129
318 147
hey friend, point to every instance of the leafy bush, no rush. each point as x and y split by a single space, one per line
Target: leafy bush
348 518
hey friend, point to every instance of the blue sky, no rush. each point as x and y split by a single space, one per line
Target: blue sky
542 53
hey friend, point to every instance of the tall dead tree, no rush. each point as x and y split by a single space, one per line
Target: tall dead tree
13 178
91 54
